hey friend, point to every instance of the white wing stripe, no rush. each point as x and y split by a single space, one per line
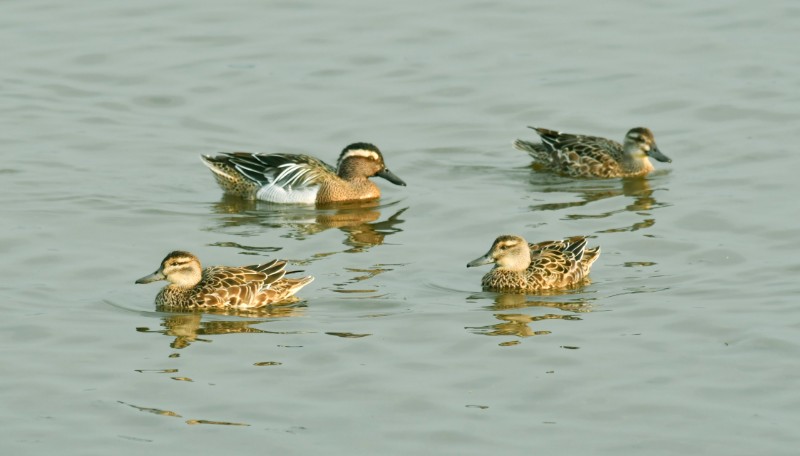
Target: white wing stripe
293 174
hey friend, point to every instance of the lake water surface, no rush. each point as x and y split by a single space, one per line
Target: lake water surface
685 342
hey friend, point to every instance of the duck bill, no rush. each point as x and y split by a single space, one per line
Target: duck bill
655 153
391 177
156 276
486 259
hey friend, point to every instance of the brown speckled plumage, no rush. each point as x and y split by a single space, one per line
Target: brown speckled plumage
292 178
221 287
592 156
523 267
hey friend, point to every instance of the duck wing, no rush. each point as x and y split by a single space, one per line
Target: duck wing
224 286
557 263
281 170
593 147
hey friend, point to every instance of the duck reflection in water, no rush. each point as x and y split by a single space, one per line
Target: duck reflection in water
360 220
638 189
524 325
187 328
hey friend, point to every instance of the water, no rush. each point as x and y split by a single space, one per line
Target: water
684 342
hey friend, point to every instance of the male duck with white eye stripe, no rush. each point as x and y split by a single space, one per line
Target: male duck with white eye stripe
292 178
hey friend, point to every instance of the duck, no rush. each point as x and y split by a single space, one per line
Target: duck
594 157
523 268
221 287
302 179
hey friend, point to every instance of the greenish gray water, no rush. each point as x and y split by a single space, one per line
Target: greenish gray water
684 342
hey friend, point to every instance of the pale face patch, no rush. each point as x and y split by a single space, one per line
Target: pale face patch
183 271
637 145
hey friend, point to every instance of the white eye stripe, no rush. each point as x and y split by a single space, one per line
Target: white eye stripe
362 153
